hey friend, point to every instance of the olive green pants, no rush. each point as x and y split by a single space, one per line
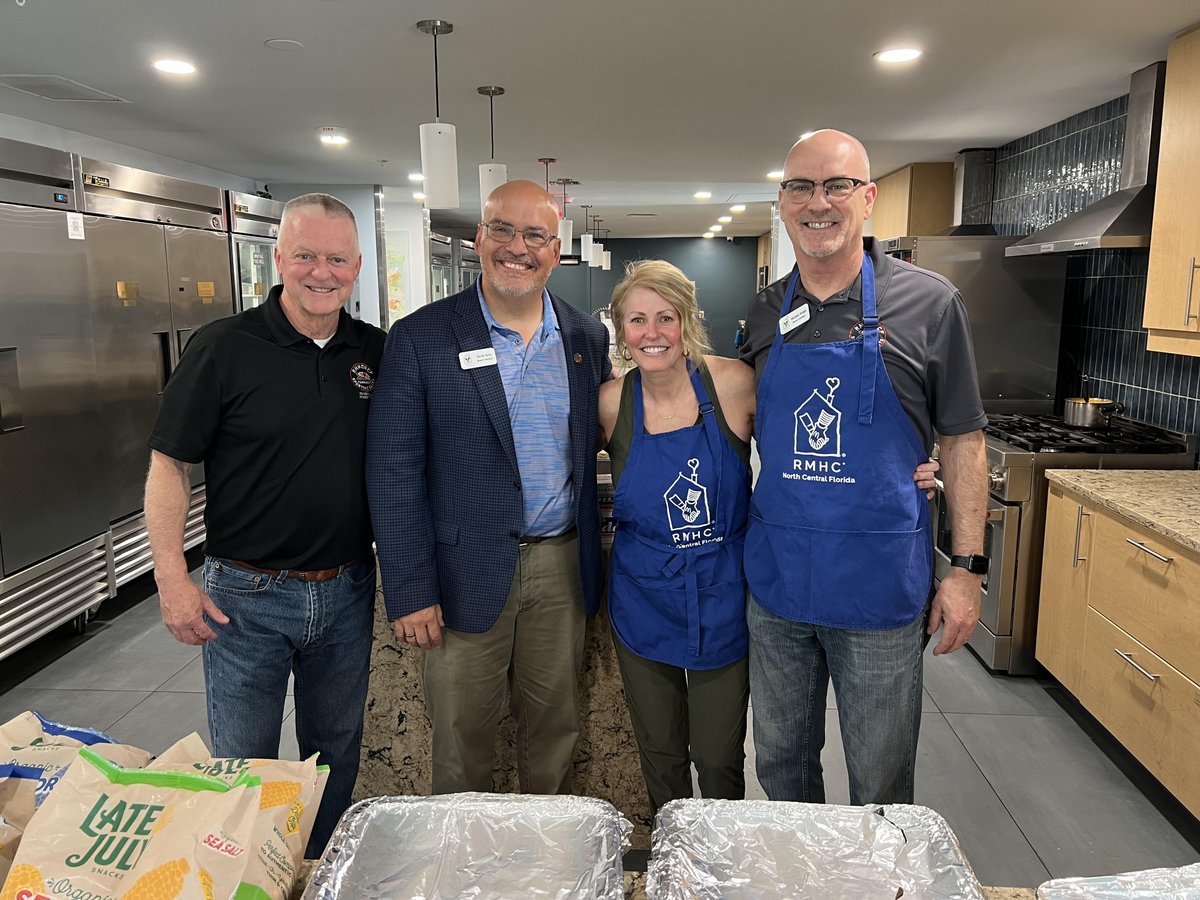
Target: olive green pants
684 716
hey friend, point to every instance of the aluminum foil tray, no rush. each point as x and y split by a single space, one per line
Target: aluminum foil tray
752 849
1150 884
474 845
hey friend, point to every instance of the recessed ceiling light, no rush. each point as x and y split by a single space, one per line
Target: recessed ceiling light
716 227
777 174
702 195
741 207
708 234
174 66
417 195
283 44
416 176
334 135
725 219
899 54
642 215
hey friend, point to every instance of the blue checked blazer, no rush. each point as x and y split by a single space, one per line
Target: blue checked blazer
442 475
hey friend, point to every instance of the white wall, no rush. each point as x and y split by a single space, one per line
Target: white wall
366 299
18 129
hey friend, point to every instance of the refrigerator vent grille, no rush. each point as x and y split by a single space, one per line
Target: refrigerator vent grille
56 87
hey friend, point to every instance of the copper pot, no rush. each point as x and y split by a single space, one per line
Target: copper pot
1082 412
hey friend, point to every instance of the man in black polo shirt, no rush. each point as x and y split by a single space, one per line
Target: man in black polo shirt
273 401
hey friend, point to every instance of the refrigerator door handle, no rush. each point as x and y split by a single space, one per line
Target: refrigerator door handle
162 360
181 339
10 392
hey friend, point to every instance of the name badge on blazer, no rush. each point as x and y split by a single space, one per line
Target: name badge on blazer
477 359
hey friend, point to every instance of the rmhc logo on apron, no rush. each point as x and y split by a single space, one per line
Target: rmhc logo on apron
819 424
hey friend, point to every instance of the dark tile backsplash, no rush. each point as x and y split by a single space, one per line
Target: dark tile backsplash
1047 175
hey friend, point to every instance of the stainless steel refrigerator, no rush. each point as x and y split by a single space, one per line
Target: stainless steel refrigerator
54 459
253 226
158 269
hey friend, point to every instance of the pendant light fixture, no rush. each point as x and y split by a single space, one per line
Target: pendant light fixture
606 256
585 239
493 174
439 141
597 257
566 228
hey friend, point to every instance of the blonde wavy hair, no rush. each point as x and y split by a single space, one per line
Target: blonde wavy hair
673 286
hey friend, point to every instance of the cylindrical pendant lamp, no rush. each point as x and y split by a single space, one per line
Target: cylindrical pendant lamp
585 247
491 176
597 255
566 233
607 263
439 165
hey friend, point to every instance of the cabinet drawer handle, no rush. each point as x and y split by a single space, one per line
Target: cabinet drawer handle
1187 310
1128 657
1142 546
1077 559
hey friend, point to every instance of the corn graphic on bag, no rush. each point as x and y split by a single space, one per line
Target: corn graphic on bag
112 833
291 793
18 788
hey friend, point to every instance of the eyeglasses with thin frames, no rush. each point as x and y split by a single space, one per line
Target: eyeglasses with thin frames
801 189
503 233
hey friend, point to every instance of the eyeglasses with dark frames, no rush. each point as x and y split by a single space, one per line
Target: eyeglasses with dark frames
801 189
504 233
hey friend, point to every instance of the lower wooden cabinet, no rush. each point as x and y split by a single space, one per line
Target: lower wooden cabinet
1119 627
1149 706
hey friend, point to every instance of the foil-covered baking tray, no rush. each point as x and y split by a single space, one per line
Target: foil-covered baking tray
751 849
1149 884
474 845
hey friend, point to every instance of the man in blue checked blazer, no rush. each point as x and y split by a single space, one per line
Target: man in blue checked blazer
481 476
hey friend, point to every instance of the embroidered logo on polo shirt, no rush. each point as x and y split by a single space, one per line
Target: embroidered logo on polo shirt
856 332
362 377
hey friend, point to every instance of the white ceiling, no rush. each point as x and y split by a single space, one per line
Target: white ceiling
642 101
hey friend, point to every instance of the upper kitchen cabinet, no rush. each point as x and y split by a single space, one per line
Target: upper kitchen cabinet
1172 313
915 200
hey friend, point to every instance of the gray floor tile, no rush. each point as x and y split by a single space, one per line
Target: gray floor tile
288 747
959 683
130 661
162 719
949 782
1079 812
89 709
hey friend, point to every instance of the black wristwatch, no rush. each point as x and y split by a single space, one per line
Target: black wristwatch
975 564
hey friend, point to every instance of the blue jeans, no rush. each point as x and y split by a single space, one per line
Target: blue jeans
321 631
877 681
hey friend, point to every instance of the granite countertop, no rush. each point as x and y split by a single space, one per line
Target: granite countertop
1165 501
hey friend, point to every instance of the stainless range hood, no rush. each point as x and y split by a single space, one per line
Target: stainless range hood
1122 219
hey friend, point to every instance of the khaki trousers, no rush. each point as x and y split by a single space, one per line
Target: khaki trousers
533 655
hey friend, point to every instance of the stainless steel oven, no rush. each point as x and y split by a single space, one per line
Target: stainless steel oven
1020 448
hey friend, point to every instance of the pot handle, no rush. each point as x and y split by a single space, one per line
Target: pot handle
1108 410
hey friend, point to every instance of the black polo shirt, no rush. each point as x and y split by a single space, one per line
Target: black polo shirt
280 425
927 351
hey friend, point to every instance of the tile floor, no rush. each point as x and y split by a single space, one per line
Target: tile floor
1033 788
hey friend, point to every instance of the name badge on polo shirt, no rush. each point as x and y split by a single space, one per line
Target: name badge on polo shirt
477 359
794 319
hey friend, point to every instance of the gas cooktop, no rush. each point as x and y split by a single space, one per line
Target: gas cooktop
1049 434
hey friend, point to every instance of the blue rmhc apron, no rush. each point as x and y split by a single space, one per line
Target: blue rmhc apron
676 590
839 533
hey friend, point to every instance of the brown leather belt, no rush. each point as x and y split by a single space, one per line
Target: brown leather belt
314 575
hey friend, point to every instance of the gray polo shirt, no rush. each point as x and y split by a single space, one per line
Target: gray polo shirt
927 352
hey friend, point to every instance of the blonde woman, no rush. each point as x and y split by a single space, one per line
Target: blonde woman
677 427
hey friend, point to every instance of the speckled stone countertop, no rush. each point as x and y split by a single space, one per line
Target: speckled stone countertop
1165 501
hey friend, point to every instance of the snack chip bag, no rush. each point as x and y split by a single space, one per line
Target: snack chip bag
53 760
33 728
18 785
131 834
291 793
